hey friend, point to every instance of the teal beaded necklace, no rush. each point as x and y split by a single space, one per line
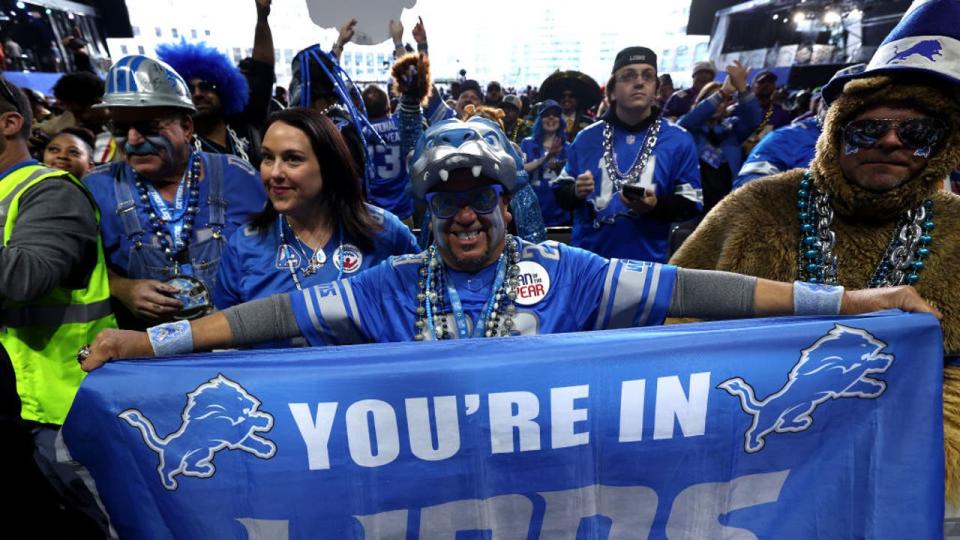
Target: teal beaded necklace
901 263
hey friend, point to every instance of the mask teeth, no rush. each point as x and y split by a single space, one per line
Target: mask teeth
444 175
476 169
849 149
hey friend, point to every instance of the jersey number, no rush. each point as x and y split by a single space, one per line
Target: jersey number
391 161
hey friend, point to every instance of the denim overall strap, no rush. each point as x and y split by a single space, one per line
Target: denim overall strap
126 204
218 205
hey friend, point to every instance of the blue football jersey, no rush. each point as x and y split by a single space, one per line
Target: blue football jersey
388 187
789 147
604 225
256 264
562 289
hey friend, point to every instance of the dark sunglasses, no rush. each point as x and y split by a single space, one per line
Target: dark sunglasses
203 86
446 204
147 128
913 133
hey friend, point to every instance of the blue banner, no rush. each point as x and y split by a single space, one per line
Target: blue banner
800 428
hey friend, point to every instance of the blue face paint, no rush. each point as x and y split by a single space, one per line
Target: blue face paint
439 226
850 149
151 145
498 228
923 152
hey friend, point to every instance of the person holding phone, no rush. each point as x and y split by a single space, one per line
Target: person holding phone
632 145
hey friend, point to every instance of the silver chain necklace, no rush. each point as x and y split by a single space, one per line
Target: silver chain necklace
901 262
239 145
632 175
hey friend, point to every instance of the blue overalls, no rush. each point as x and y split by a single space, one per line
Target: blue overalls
146 257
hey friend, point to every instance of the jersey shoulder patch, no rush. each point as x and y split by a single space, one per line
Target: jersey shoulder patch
239 162
409 258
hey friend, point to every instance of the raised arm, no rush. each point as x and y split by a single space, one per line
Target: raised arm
262 36
346 34
396 34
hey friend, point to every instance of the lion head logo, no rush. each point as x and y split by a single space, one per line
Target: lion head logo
835 366
220 414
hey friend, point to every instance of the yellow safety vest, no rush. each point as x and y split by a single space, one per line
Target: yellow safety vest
42 336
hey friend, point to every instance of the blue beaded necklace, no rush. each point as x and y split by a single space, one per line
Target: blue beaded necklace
901 263
496 317
180 220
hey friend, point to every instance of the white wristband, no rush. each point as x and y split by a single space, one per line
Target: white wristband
816 299
171 338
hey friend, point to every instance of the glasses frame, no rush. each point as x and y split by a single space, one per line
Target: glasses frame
146 128
895 124
203 86
464 198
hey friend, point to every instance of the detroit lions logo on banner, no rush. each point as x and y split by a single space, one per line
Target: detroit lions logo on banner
927 48
219 414
836 366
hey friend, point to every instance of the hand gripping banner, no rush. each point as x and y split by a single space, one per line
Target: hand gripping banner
801 428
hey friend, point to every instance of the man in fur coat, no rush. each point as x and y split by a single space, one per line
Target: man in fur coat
870 211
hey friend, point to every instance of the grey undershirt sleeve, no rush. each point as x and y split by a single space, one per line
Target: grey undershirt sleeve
262 320
709 294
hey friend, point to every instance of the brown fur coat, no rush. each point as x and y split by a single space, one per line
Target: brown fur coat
756 230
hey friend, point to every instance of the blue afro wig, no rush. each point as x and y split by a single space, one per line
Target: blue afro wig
197 60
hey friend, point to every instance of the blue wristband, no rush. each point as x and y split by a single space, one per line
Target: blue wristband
816 299
171 338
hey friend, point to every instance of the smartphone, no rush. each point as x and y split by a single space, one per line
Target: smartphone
633 191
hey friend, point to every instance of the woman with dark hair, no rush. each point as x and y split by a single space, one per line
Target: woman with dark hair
546 150
316 226
71 150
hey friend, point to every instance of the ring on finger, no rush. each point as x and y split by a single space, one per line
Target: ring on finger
83 353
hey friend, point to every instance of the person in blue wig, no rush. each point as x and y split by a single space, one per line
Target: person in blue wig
231 103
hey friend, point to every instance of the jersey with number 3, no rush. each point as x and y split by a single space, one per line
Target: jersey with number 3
388 188
562 289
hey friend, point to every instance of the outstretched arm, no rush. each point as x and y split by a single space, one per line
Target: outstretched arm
258 321
210 332
710 294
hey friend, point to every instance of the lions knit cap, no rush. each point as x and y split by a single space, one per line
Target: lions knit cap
634 55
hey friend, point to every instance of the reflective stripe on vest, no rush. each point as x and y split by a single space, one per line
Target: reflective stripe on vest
16 317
